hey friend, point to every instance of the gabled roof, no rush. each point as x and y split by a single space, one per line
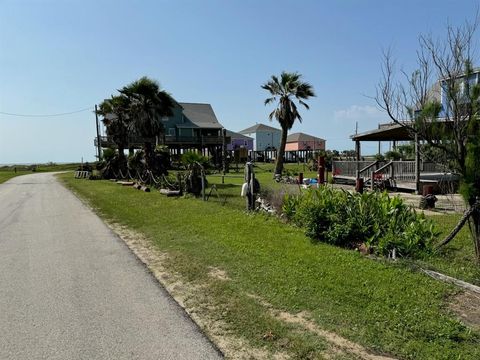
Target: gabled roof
235 135
258 127
201 115
298 137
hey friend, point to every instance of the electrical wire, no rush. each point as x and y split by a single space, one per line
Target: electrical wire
47 115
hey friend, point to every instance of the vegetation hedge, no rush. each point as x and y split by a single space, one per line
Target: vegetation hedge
383 224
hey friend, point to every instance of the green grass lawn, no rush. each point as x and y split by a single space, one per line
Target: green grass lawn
8 172
457 258
229 191
386 307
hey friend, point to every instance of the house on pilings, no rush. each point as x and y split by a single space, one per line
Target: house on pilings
266 141
192 127
301 146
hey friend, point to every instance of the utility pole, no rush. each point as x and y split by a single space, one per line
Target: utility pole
224 154
99 145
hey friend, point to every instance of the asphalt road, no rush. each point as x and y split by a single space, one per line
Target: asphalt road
70 289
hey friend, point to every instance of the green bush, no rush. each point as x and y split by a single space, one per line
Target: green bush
190 158
393 155
136 161
108 154
380 222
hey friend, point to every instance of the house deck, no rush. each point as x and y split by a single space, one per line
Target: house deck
402 186
395 175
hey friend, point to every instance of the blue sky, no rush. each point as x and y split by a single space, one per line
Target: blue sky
59 56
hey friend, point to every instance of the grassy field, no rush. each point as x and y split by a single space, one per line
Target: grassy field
457 259
386 307
8 172
230 190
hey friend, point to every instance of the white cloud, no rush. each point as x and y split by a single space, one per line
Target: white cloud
360 113
366 116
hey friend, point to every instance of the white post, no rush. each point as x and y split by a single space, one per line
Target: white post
417 165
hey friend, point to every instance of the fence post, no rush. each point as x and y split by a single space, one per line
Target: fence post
417 165
321 170
250 180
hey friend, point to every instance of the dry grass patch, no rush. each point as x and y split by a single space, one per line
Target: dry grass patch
467 306
339 345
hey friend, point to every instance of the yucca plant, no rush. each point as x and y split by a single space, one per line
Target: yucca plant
382 223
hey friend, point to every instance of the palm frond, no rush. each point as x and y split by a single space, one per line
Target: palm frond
269 100
304 104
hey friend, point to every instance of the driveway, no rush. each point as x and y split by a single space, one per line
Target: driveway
70 289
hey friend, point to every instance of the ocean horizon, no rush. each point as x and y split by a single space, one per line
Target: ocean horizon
41 163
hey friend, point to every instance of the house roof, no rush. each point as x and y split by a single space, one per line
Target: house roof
258 127
201 115
393 131
298 137
384 133
235 135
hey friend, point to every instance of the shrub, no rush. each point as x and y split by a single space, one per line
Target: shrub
194 162
136 161
191 157
108 154
393 155
380 222
161 160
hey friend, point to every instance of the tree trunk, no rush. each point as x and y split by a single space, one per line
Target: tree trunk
122 160
281 153
458 227
148 155
475 230
473 217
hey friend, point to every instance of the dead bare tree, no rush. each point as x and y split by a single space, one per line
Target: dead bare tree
439 103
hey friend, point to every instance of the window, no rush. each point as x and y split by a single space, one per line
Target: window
171 131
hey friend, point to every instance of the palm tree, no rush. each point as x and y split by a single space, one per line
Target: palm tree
148 104
117 122
286 89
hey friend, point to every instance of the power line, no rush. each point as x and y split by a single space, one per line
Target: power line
46 115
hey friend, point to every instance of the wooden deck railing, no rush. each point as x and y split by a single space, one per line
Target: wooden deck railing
399 170
369 170
106 141
348 168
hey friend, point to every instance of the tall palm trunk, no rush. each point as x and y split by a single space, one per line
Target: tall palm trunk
122 160
148 155
281 152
